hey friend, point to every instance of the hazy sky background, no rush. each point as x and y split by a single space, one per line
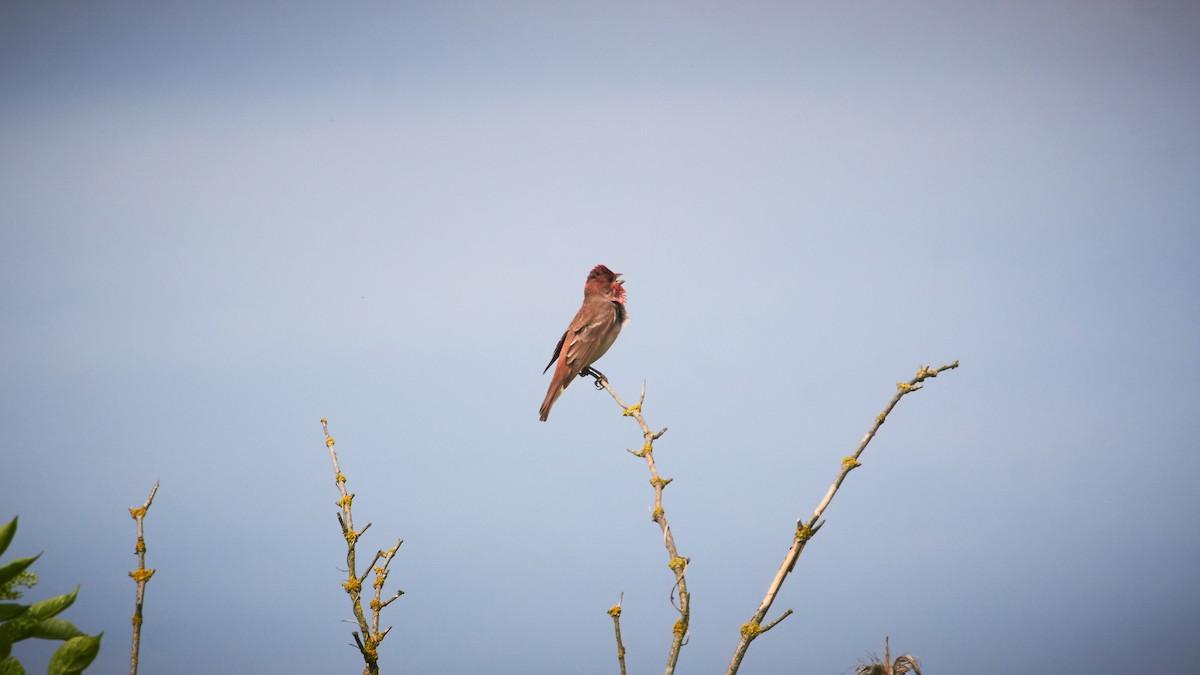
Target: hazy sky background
223 221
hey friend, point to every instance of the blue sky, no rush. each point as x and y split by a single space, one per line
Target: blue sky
224 222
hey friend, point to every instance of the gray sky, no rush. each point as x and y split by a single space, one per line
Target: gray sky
225 221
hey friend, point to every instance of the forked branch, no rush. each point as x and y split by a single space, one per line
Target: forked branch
368 636
677 563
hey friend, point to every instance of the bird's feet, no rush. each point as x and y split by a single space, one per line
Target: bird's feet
601 380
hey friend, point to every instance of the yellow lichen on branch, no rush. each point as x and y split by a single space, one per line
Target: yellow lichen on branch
368 636
140 576
676 562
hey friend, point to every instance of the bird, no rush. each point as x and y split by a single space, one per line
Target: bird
592 331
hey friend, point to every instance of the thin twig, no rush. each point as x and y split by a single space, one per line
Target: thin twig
677 563
615 613
381 573
141 575
368 636
806 530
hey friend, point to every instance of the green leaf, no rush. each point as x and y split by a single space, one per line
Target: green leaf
14 631
12 569
75 655
5 647
54 629
7 533
11 666
9 610
48 608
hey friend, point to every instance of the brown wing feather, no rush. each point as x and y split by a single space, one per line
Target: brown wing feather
590 327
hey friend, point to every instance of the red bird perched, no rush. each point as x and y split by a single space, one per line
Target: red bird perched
592 331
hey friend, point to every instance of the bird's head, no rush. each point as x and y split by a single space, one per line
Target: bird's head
606 282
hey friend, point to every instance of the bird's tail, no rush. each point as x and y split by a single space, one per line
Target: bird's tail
556 390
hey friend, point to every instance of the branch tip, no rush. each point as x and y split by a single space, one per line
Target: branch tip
781 617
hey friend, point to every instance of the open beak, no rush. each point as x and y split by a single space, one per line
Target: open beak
619 279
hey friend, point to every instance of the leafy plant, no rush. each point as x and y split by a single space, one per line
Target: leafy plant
12 589
38 620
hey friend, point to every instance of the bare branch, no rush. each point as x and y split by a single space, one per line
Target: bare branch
805 530
676 562
368 636
141 576
615 613
781 617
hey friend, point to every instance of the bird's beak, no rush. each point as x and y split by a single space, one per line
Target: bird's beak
620 280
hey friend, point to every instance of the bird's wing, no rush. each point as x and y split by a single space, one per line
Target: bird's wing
595 320
557 351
